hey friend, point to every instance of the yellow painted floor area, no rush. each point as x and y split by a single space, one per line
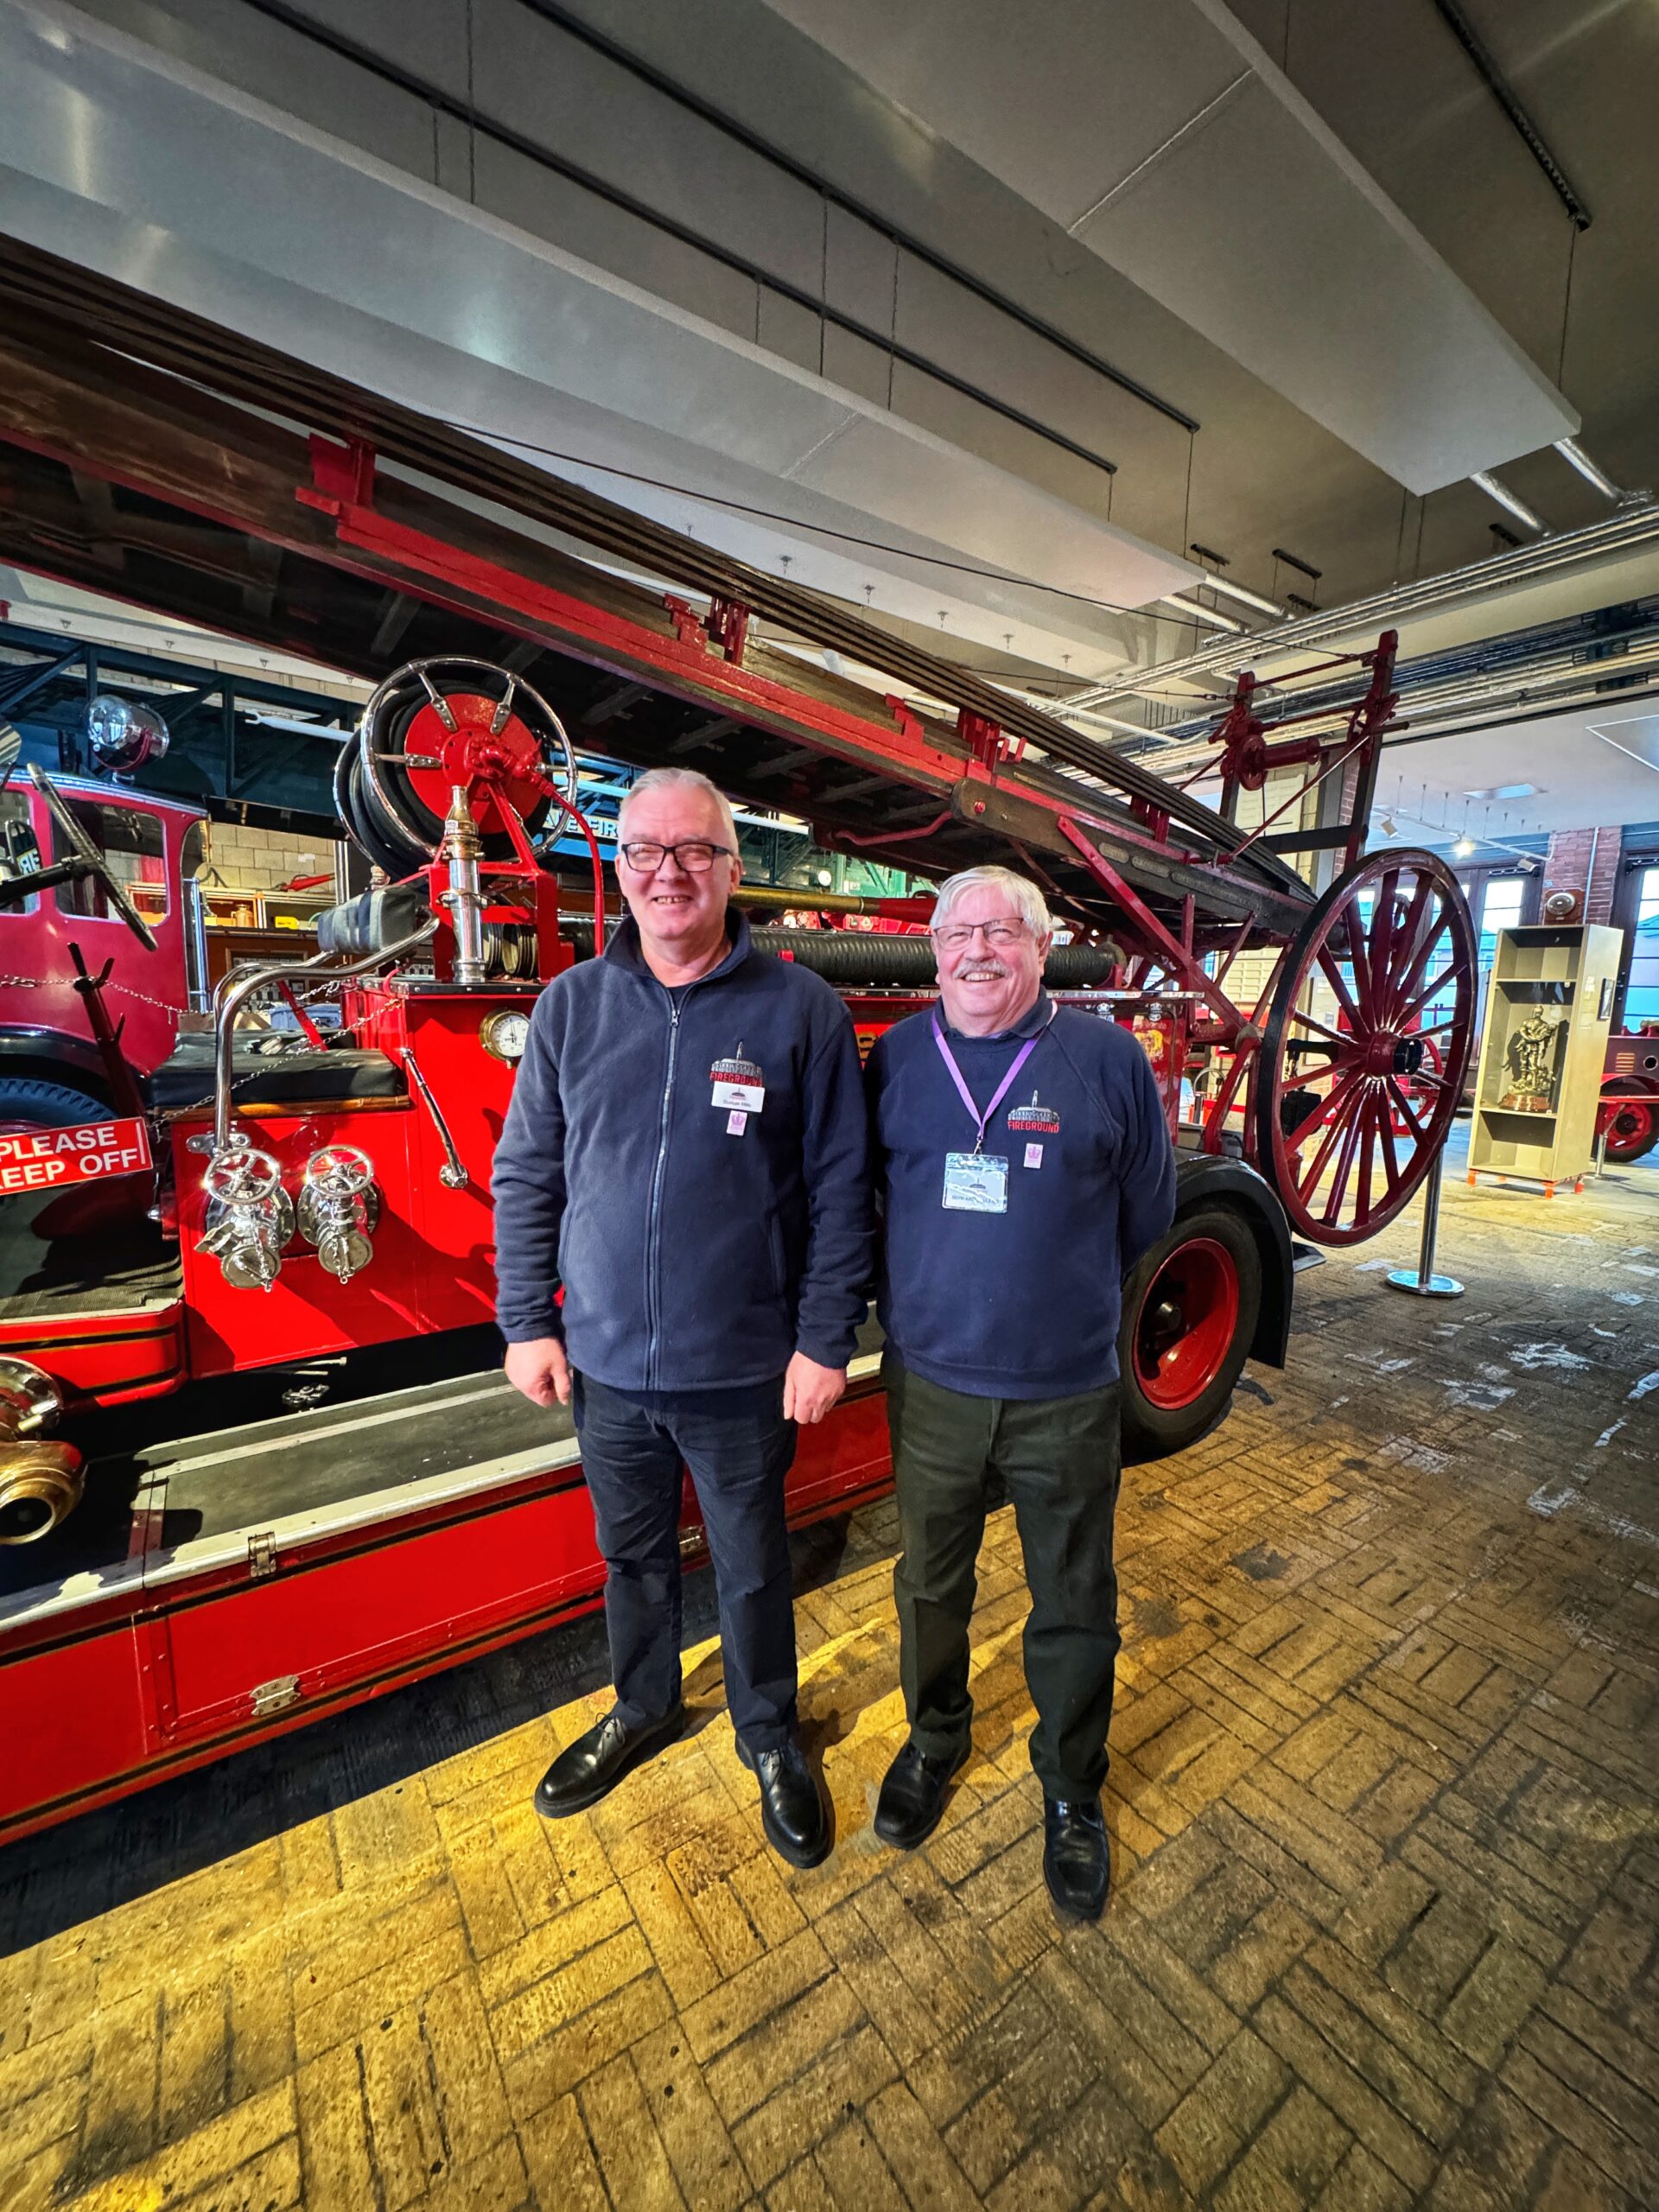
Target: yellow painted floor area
1383 1803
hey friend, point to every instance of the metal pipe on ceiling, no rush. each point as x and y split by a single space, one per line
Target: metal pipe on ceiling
1511 502
1631 529
1552 693
1574 454
1597 651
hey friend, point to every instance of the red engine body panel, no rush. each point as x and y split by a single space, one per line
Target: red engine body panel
434 1246
1634 1058
170 1672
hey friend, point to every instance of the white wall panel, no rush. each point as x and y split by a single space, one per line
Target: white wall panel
167 180
1238 209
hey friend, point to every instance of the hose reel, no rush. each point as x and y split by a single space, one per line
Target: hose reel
438 726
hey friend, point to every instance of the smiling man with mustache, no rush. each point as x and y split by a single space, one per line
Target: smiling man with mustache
1024 1164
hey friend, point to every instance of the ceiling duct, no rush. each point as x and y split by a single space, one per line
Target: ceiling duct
1628 531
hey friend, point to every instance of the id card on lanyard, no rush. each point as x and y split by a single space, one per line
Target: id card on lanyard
977 1181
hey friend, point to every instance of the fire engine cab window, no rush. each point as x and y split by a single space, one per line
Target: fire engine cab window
19 853
132 844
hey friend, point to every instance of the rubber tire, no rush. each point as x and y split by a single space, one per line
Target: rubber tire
49 1105
1154 1432
382 841
1636 1098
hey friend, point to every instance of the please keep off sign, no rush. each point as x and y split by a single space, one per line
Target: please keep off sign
46 1159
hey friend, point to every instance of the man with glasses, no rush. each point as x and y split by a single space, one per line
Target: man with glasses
1024 1164
685 1158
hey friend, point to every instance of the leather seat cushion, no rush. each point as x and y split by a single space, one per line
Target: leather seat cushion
271 1071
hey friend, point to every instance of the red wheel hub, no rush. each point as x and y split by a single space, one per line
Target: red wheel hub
1627 1127
494 766
1186 1324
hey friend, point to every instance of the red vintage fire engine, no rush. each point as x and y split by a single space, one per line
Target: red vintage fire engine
196 1555
121 857
1628 1120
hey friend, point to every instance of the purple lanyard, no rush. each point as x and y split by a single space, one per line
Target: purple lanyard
1002 1088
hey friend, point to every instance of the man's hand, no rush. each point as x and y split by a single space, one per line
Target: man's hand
542 1372
809 1390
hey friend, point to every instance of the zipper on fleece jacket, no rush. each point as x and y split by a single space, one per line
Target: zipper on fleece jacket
654 1217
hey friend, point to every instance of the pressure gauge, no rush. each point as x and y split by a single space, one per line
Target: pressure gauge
503 1033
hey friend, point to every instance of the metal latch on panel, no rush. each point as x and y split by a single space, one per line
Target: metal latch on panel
281 1691
262 1554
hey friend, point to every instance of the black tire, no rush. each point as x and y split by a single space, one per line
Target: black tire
46 1105
377 836
1226 1274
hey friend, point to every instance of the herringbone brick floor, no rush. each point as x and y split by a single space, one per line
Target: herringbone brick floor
1383 1802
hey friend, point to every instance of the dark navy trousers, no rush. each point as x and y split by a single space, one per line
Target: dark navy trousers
738 1448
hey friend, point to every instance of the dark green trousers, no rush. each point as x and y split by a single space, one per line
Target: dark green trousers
1058 1461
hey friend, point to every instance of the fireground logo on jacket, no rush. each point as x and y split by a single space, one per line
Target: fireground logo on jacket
1034 1120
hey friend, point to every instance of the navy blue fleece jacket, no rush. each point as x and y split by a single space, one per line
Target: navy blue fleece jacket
1023 1304
694 1256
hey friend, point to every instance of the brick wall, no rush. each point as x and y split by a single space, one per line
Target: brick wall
258 859
1587 861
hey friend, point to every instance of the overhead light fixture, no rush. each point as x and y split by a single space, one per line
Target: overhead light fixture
1464 847
1511 503
1246 597
1388 826
1295 561
1572 453
1063 713
1213 563
1209 614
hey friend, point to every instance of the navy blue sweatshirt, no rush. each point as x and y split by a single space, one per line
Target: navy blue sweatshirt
1023 1304
696 1251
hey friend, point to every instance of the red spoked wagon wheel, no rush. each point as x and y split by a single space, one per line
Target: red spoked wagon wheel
1349 1108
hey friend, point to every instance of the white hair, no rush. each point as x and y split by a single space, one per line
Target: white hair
1027 898
677 780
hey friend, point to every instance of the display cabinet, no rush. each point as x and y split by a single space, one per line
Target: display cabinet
1549 1007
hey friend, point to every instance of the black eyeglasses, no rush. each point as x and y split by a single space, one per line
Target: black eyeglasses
695 855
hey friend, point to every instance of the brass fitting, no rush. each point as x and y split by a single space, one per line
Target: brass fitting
40 1482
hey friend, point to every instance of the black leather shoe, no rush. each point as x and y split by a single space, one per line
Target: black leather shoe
912 1796
590 1768
792 1810
1076 1857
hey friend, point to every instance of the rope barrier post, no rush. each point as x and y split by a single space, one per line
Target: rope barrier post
1421 1281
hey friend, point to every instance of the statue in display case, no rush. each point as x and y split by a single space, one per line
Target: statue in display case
1530 1057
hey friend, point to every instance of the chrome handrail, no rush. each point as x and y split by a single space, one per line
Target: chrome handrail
229 1002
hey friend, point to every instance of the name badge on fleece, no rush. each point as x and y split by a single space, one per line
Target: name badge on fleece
976 1182
739 1085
